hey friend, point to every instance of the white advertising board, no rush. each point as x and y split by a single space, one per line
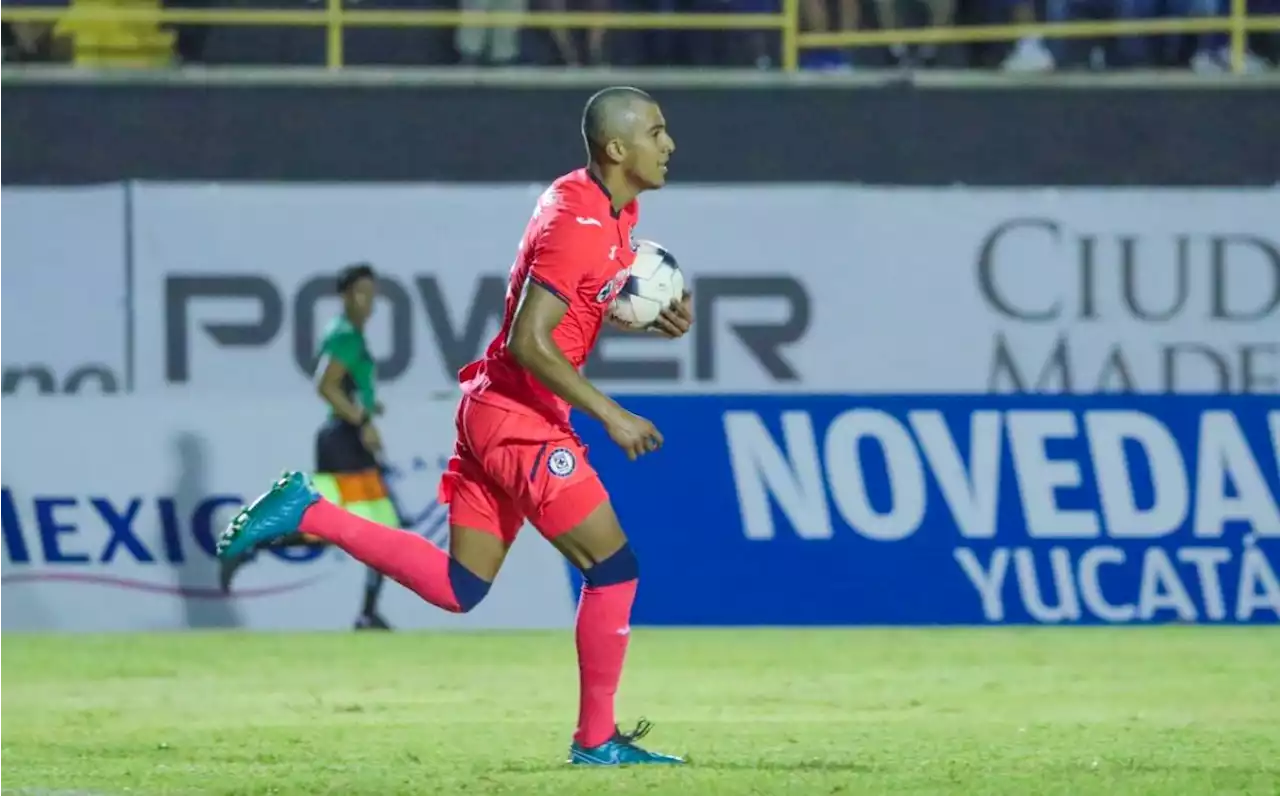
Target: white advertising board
803 288
798 288
65 313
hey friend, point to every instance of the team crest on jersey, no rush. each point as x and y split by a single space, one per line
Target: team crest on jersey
611 288
561 463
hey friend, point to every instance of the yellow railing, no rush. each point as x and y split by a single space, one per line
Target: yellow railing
335 18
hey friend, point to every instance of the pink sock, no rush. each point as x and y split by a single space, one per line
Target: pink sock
405 557
603 629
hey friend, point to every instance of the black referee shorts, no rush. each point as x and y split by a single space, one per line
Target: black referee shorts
339 449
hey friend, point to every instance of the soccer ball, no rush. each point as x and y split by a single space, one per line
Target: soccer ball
655 281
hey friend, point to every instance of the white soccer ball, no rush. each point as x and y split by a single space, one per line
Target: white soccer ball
656 280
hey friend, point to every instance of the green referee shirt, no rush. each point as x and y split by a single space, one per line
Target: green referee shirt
344 343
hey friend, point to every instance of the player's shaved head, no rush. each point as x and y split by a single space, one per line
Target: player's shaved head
611 113
627 142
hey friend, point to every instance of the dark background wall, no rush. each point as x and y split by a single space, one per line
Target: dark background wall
895 134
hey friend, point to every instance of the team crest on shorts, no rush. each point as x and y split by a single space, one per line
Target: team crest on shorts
562 463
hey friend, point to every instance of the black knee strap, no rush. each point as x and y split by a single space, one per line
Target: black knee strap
468 587
620 567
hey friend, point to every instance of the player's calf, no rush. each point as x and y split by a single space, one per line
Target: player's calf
610 573
410 560
292 505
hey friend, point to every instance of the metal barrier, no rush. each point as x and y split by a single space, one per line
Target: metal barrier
336 18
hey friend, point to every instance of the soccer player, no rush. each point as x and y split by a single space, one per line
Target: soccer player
348 448
516 456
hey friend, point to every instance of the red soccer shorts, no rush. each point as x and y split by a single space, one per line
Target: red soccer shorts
508 466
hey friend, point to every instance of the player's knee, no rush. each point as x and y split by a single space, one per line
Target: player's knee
620 567
469 589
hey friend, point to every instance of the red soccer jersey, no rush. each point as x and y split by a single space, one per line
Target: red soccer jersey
577 247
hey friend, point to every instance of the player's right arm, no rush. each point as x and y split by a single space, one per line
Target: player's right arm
555 277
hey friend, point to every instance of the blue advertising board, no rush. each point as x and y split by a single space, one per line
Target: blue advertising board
791 509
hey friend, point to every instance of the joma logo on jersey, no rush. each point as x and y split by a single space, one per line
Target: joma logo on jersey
611 287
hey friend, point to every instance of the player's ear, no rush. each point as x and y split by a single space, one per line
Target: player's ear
615 150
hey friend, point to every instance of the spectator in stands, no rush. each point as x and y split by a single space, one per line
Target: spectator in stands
751 48
33 41
488 45
566 41
940 13
669 47
190 40
1267 43
828 16
1213 50
1128 50
13 49
1030 53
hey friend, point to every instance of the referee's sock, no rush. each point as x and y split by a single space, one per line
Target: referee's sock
372 590
405 557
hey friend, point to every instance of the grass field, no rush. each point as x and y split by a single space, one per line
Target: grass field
1170 711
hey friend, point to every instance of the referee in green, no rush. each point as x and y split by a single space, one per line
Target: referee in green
348 448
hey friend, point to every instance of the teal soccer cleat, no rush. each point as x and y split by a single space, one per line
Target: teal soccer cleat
271 517
621 750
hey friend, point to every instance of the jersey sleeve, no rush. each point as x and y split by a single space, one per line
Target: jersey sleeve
344 347
563 250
